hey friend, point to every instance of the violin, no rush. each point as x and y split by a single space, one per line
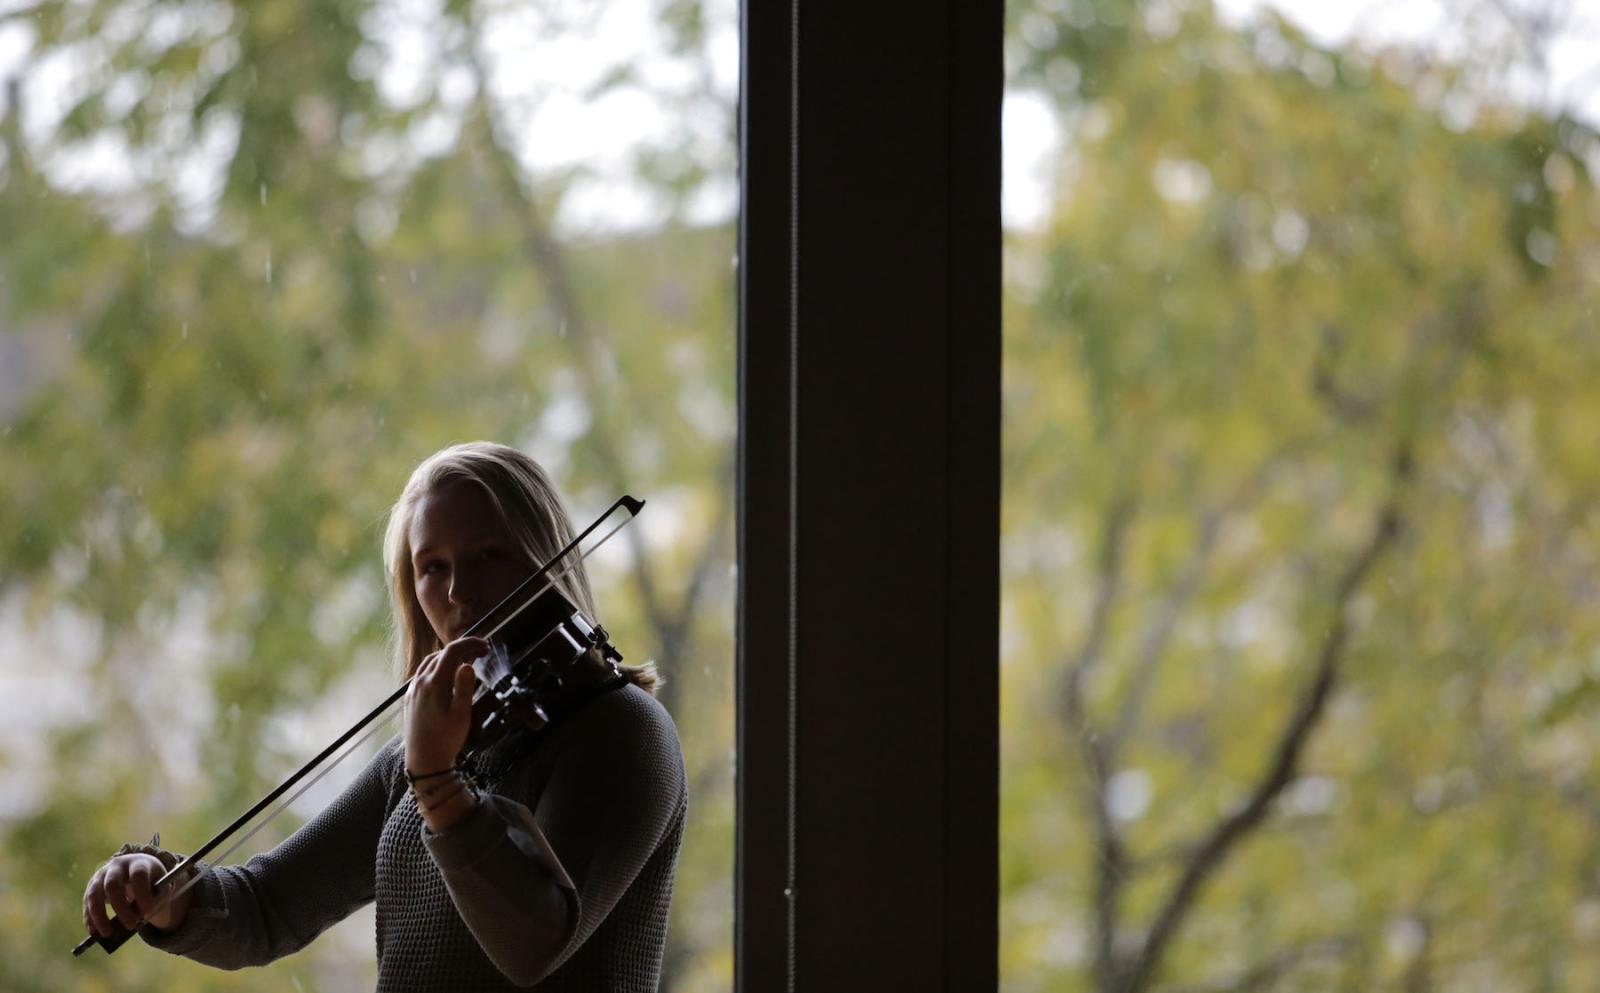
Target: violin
537 642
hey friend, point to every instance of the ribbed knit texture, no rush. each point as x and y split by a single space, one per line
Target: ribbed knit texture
562 877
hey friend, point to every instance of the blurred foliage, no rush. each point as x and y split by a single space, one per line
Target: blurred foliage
225 354
1282 288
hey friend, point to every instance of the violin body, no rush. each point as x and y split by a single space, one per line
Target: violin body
536 663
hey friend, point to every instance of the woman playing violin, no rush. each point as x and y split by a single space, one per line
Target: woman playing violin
546 860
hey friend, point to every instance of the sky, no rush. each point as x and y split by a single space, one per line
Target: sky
1032 140
543 69
622 32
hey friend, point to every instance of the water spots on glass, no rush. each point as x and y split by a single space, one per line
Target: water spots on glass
1128 794
1181 180
1311 796
1586 919
1063 76
1406 939
1541 246
1290 232
1039 31
1558 173
1162 20
1318 69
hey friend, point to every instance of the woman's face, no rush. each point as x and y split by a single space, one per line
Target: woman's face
463 559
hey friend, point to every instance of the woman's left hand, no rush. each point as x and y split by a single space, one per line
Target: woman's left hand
439 705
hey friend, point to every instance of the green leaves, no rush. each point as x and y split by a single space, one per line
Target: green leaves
1268 267
223 390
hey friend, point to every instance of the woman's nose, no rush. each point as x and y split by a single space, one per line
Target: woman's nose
462 588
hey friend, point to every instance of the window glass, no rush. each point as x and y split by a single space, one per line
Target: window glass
1300 538
258 260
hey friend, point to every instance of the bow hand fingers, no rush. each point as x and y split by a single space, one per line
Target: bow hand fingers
94 904
128 885
142 876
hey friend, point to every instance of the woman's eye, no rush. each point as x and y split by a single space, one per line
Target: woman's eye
430 568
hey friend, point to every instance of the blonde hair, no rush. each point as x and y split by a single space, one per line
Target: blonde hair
527 502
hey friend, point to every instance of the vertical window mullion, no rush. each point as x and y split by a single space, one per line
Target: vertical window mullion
869 497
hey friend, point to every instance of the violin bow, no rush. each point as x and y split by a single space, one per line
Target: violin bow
121 934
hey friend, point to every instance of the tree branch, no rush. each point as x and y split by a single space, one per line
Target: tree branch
1265 974
1108 585
1109 855
1230 830
548 260
674 638
1158 634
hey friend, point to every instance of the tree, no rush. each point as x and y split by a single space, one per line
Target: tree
227 384
1294 381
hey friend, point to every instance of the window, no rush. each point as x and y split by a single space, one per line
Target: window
260 259
1298 548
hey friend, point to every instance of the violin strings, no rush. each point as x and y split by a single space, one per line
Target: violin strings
377 726
483 686
556 577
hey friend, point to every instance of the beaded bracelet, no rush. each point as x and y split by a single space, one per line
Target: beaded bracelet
413 777
424 792
461 787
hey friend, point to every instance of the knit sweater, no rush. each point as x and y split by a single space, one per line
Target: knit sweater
560 878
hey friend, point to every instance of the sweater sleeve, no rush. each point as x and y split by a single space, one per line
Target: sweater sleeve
533 886
277 902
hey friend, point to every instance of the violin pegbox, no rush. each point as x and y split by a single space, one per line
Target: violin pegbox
517 686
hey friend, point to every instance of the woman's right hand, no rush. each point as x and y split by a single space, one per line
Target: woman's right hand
127 883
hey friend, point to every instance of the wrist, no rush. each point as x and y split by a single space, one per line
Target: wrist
426 758
447 808
420 776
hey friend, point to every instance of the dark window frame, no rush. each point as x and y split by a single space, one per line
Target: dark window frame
869 497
